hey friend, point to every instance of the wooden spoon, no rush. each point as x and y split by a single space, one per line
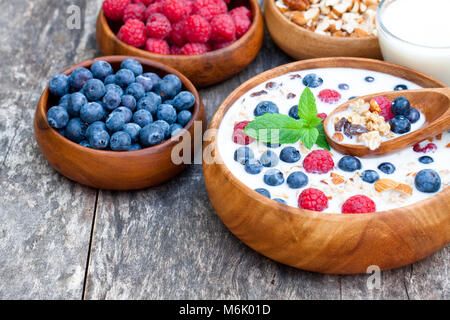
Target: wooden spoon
433 103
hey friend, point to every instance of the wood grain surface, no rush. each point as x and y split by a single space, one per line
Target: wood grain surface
59 240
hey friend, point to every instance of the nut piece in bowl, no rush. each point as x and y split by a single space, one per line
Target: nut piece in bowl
207 40
108 123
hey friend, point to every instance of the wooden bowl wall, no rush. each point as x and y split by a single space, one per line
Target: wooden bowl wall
327 242
301 43
203 70
108 169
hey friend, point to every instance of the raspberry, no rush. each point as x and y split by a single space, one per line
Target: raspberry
209 8
144 2
153 8
242 24
197 29
174 10
385 105
114 9
239 136
134 11
188 7
358 204
424 148
329 96
221 45
322 116
312 199
177 34
158 26
222 28
176 50
157 46
133 33
195 48
241 11
318 161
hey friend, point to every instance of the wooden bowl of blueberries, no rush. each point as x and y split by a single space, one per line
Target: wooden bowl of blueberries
207 40
112 122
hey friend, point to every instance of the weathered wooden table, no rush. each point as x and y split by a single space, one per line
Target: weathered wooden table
61 240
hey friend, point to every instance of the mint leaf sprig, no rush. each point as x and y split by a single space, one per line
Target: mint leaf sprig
280 128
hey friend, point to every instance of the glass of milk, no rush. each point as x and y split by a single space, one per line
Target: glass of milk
416 34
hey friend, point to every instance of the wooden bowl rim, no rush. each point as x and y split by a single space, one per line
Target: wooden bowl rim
341 40
43 101
298 66
256 18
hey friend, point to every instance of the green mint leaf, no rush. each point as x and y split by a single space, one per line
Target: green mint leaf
313 122
321 140
274 128
307 105
309 136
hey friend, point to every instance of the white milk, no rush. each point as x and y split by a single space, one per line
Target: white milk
416 33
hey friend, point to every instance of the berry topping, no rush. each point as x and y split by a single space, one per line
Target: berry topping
343 86
273 177
263 192
312 199
318 161
400 106
243 154
400 87
370 176
349 164
427 181
133 33
269 159
426 160
265 107
413 115
312 80
358 204
369 79
253 166
322 116
329 96
293 112
114 9
424 148
290 155
387 168
297 180
385 106
400 125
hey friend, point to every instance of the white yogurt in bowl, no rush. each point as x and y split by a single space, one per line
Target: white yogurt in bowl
349 83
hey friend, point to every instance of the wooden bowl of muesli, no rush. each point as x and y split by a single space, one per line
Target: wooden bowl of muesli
317 241
300 42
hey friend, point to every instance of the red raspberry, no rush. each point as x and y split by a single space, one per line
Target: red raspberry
221 45
241 11
424 148
239 136
144 2
153 8
158 26
133 33
195 48
114 9
174 10
134 11
188 7
385 105
329 96
176 50
197 29
209 8
358 204
322 116
318 161
312 199
242 24
157 46
222 28
177 34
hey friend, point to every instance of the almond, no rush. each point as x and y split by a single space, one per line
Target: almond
374 107
337 180
335 175
404 188
439 136
385 184
298 18
448 145
338 136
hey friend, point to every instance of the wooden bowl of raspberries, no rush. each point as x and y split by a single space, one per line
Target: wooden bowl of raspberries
307 29
207 40
113 122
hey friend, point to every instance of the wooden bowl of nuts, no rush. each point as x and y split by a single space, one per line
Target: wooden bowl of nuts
313 29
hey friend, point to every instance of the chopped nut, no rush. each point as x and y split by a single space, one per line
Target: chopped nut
404 188
338 136
374 107
439 136
337 180
385 184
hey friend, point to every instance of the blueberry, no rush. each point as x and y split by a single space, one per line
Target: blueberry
79 77
426 160
174 81
111 100
124 78
352 97
343 86
151 135
427 181
64 101
387 168
115 121
349 164
92 112
293 112
169 102
167 113
76 101
280 200
400 125
85 143
273 145
269 159
183 101
273 177
413 115
133 130
135 147
312 80
96 126
184 117
369 79
370 176
76 130
142 117
94 89
101 69
265 107
400 87
111 79
175 129
153 76
129 102
136 90
59 85
114 87
150 103
127 114
290 155
253 166
242 154
167 89
99 139
57 117
132 65
120 141
263 192
62 131
297 180
145 82
400 106
164 126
